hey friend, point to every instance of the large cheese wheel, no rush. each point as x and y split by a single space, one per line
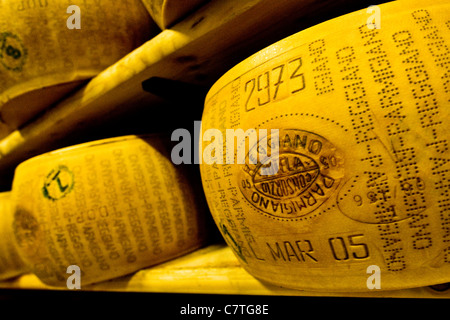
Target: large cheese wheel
10 263
42 59
110 207
344 183
167 12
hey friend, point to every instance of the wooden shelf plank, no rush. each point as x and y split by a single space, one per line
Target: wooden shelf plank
197 50
210 270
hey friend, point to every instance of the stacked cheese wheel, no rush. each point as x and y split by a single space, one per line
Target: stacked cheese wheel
110 207
338 177
49 48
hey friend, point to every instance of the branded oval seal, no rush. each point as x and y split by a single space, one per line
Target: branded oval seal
293 180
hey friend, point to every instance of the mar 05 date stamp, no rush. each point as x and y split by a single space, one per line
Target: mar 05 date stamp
310 169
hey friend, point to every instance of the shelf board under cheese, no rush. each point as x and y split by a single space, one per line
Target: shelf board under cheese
210 270
197 51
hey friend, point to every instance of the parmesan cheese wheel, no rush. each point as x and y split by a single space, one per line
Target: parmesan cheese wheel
110 207
42 58
10 263
345 180
167 12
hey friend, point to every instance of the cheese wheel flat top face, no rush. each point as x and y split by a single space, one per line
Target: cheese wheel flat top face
38 50
110 207
339 152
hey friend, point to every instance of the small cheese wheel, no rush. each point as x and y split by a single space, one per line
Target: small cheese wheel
167 12
42 58
346 184
110 207
11 264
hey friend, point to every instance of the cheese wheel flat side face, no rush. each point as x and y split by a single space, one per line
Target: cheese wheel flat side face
110 207
363 162
38 51
11 264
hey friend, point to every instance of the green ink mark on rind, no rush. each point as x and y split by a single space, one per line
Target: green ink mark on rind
58 183
13 53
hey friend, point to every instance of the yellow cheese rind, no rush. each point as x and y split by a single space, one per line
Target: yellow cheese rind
42 60
110 207
10 263
363 112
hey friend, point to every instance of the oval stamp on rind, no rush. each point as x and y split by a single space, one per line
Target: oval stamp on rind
310 169
13 53
58 183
